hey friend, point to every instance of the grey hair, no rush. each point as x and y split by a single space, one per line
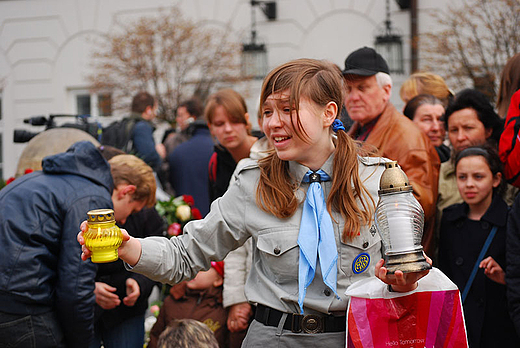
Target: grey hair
383 79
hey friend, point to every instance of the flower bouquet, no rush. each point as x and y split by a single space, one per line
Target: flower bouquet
177 212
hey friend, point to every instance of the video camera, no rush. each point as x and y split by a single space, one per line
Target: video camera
82 123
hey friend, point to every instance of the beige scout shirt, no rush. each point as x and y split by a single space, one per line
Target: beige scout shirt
273 280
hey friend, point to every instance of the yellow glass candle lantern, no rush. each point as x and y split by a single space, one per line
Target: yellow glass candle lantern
103 237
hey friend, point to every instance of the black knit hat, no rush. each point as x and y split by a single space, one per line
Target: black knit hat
365 62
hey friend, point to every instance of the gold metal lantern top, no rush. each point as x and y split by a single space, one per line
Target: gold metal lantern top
100 216
393 179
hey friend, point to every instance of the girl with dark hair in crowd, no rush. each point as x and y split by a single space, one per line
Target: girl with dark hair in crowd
472 248
427 112
313 158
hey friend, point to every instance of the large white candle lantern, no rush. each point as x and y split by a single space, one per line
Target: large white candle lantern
400 220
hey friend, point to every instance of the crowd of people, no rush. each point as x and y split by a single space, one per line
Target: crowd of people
277 241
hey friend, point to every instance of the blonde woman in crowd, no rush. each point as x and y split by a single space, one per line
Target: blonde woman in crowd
425 83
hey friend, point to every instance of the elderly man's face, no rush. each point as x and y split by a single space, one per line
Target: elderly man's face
364 99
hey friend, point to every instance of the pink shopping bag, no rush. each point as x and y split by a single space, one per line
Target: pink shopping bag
430 316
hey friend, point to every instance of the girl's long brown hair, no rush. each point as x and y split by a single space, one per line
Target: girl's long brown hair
320 82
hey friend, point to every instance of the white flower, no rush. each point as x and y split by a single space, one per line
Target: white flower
148 323
183 212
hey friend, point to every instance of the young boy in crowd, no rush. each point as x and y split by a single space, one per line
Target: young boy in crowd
201 300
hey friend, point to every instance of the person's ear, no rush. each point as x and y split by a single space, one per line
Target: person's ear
497 179
488 132
329 113
218 282
125 189
210 126
387 89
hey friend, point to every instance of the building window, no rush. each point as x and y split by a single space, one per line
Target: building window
93 104
104 104
83 104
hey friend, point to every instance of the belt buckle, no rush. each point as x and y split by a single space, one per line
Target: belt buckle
312 324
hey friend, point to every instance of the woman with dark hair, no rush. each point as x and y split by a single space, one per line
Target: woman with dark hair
470 120
472 105
478 268
426 111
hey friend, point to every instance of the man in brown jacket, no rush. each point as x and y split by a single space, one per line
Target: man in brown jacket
378 123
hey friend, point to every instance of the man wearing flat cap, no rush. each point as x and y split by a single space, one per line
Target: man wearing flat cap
378 123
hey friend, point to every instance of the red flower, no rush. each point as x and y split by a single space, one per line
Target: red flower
28 170
10 180
195 213
174 229
188 199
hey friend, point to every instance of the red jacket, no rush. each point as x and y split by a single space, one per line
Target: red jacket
509 146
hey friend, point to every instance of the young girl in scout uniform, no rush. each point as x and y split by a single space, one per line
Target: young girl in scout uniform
305 253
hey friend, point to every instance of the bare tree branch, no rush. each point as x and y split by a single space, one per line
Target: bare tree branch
167 55
476 40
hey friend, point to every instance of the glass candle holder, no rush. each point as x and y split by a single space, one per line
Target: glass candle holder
103 237
399 220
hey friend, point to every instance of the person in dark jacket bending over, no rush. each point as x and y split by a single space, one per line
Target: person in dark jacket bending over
46 291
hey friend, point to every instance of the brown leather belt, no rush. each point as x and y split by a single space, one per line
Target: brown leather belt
310 323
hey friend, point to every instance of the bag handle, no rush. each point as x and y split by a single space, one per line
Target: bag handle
479 259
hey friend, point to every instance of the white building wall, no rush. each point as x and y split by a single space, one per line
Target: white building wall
45 45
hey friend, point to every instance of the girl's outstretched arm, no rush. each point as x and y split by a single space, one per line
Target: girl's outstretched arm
129 251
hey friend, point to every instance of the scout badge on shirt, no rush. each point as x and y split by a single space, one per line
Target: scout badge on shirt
360 263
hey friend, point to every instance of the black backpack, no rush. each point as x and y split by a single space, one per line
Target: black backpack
119 134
